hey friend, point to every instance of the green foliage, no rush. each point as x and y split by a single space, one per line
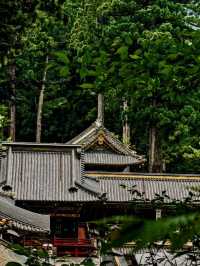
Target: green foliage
88 262
14 17
145 232
35 257
163 240
3 120
18 249
85 262
145 51
151 62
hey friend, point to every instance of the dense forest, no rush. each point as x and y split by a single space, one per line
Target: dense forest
57 55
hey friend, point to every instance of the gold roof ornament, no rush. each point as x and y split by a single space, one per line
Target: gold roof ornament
100 139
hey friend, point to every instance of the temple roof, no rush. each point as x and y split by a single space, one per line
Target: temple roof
23 219
98 134
55 172
102 147
45 172
109 158
119 187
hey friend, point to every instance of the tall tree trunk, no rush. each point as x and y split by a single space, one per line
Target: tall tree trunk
126 127
152 148
40 103
155 160
12 72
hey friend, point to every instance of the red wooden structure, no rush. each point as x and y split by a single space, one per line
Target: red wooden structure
79 247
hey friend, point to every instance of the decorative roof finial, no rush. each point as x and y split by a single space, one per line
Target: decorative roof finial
100 116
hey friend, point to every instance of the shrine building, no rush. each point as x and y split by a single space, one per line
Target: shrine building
58 188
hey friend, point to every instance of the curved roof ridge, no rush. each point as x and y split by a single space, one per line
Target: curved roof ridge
22 217
122 145
90 135
83 134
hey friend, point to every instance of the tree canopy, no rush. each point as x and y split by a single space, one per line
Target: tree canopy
147 52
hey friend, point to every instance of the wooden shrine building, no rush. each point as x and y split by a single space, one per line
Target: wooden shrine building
89 177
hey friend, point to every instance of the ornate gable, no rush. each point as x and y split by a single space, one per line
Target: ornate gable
102 147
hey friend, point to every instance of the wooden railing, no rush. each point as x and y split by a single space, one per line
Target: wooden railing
72 242
65 246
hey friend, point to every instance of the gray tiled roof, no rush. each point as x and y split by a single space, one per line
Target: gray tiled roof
43 173
90 185
176 188
23 219
46 173
107 158
3 166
